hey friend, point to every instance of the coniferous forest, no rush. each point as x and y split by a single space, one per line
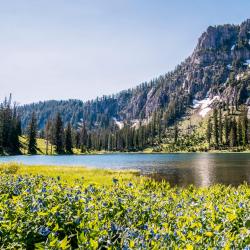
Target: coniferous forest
227 128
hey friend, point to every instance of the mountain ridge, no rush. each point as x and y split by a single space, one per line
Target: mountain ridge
218 66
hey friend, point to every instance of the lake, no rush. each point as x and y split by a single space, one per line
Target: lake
182 169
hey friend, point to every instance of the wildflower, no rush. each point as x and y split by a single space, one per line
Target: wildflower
209 234
44 231
113 227
130 184
104 204
33 209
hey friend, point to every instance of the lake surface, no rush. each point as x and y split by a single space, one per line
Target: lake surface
200 169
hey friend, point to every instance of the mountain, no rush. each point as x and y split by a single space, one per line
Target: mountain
217 71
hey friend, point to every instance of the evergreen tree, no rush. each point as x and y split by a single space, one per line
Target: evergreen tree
233 133
176 132
226 130
239 132
209 131
220 127
84 138
48 135
59 134
68 139
244 127
215 130
77 139
32 133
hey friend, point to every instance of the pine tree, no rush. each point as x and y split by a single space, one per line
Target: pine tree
32 133
77 139
176 132
209 131
216 133
220 127
48 135
239 132
226 130
244 127
59 134
233 133
84 138
68 139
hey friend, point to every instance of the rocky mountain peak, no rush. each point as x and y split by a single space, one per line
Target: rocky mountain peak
218 67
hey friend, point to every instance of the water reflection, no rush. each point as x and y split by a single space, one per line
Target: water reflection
206 170
200 169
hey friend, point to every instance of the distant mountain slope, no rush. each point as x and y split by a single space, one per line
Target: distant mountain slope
219 67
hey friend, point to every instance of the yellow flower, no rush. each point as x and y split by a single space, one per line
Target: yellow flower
232 217
190 247
209 234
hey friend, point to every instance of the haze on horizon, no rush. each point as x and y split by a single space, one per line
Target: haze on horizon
83 49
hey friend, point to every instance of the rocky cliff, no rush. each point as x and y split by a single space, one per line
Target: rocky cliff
219 66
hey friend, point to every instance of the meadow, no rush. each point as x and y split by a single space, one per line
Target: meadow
46 207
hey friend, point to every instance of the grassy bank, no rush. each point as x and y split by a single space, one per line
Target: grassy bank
67 208
161 148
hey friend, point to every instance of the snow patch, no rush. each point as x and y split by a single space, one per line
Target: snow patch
229 66
233 47
135 123
120 124
239 76
248 113
204 105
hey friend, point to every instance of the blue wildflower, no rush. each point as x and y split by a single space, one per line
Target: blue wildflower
113 227
33 209
130 184
104 204
44 231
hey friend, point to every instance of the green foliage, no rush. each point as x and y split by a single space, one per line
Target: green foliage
44 212
68 139
9 128
58 134
32 134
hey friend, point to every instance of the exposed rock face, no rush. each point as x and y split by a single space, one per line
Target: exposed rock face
217 67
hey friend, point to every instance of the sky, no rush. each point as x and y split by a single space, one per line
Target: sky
79 49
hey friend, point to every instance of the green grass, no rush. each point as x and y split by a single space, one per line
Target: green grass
68 208
69 174
41 148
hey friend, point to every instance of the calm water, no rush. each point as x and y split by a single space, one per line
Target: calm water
200 169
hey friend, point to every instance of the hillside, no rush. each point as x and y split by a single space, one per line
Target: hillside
217 71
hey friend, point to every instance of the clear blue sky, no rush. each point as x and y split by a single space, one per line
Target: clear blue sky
61 49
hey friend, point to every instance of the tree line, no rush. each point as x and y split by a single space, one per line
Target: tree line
225 128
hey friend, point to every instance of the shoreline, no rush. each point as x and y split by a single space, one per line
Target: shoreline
134 152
